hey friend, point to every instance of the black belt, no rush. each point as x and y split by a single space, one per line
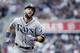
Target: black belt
24 47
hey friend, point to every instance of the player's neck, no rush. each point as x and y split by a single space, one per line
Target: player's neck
27 19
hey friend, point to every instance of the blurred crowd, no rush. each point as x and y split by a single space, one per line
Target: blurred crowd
61 43
59 9
9 7
54 9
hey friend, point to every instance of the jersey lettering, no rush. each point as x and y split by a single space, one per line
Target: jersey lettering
23 29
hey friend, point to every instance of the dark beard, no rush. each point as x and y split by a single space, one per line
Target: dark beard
28 16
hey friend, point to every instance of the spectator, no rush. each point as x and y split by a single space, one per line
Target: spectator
3 10
77 13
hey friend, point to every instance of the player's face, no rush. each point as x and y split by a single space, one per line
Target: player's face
28 11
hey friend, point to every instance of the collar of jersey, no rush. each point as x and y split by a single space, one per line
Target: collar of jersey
28 22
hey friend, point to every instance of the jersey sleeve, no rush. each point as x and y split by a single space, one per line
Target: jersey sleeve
11 35
12 24
39 30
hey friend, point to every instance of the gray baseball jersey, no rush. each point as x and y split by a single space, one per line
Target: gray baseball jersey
26 31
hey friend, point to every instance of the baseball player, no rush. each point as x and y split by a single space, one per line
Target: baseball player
24 31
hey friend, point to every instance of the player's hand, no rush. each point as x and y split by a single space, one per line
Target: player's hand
40 39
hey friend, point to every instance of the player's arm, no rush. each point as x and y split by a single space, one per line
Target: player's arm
39 35
10 33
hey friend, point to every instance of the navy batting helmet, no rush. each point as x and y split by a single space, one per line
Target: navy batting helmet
30 6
